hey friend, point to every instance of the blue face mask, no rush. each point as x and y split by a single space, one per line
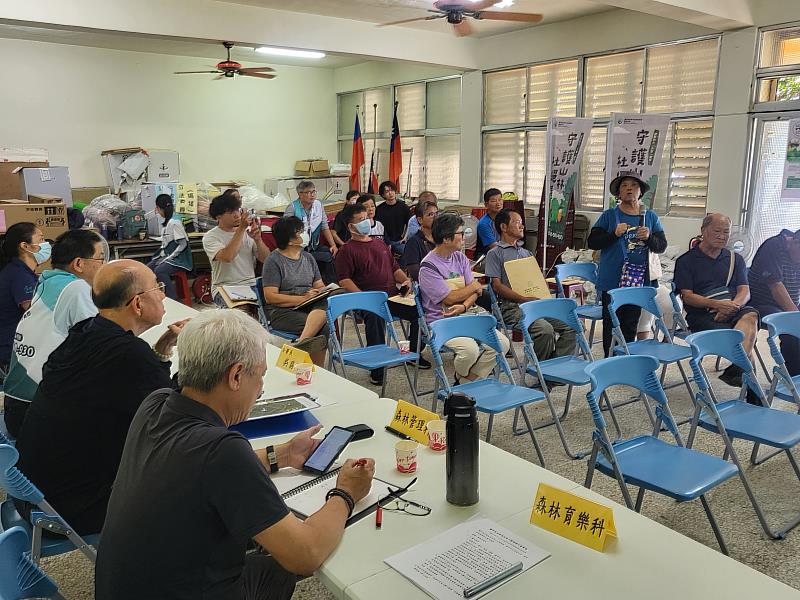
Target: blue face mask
363 227
43 254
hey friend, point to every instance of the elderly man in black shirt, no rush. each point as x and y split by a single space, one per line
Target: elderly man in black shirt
92 384
190 493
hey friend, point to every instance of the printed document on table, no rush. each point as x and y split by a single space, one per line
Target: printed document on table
461 557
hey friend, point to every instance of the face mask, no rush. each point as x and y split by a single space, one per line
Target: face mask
305 239
363 227
43 253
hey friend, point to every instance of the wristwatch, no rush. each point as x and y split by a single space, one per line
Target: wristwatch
272 458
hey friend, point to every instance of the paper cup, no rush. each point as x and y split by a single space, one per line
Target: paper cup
406 454
303 373
437 435
405 346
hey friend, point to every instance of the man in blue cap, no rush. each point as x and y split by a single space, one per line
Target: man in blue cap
775 285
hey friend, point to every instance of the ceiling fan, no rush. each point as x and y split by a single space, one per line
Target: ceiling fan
456 13
230 68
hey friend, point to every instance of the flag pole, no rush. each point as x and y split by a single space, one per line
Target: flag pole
375 133
361 168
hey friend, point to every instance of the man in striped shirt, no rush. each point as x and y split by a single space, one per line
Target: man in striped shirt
775 285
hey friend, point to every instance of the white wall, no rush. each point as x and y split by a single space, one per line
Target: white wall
76 101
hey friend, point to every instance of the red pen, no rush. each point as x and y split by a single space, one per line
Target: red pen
378 517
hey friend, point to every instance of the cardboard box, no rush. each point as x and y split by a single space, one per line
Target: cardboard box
52 181
50 217
10 180
164 167
85 195
43 199
311 168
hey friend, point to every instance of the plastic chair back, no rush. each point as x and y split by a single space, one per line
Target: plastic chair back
20 577
583 270
13 481
645 298
373 302
558 309
638 372
481 328
726 343
783 323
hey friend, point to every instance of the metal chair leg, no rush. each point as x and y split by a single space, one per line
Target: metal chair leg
533 437
717 533
489 428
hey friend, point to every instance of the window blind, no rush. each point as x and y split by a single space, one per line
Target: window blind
592 190
411 106
503 161
444 103
504 97
442 166
537 165
347 113
552 90
681 77
691 160
613 83
383 98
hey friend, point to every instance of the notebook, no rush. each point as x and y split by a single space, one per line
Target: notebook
308 498
328 290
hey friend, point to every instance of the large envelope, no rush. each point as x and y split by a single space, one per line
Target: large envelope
526 277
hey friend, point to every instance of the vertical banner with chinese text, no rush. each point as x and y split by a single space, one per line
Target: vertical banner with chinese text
635 143
790 184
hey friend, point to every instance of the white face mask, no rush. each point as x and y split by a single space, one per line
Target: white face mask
305 239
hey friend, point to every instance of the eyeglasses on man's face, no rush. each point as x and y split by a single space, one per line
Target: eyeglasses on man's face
309 192
159 287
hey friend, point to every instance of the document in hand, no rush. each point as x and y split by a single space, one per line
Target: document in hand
465 557
331 288
526 277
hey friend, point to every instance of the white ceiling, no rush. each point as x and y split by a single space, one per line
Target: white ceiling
382 11
210 49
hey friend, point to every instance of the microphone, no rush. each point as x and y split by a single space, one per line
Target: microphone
642 212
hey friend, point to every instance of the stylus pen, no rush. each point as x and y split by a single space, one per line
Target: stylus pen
486 584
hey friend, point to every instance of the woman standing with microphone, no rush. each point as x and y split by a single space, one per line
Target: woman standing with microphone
625 234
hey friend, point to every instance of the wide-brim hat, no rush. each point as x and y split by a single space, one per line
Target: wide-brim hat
615 183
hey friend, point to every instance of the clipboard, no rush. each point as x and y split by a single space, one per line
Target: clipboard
234 303
526 278
325 293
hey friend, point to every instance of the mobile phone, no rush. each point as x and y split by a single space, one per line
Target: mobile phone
404 289
328 450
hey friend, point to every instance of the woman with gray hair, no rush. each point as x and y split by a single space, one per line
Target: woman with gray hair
190 493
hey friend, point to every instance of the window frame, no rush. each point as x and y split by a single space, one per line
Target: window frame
580 107
425 132
760 73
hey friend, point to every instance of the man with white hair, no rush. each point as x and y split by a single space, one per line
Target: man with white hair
190 494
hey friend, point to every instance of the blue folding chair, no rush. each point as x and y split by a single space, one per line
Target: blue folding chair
783 385
588 272
664 350
368 357
567 370
423 336
5 436
646 461
20 577
46 518
509 332
732 419
491 395
680 328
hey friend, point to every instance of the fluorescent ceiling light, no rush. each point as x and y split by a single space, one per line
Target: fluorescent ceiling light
288 52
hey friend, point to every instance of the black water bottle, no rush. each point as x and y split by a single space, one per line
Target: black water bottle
462 450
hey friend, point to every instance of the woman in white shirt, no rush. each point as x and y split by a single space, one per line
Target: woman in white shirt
377 230
174 254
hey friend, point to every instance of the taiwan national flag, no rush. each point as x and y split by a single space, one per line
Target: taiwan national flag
395 153
357 160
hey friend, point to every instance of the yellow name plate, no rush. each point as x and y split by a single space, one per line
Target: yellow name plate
410 419
291 356
573 517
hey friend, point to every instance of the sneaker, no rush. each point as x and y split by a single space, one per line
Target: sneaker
376 379
424 364
732 376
